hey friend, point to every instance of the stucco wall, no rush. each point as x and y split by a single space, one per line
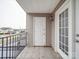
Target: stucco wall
29 28
48 31
53 34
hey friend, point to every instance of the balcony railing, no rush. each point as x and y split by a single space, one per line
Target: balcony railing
12 45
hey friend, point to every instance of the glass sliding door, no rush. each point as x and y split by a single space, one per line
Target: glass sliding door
63 31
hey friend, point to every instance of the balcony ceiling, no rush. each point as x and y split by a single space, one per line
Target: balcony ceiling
38 6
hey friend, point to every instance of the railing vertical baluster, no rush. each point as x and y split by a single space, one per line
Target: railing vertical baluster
15 46
2 47
12 45
16 42
19 42
6 47
10 48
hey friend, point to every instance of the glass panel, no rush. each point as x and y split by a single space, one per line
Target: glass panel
62 39
63 31
66 48
60 20
60 45
66 41
66 31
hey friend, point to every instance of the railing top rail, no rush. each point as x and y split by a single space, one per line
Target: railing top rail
10 35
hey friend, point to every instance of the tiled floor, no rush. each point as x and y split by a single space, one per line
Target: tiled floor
38 53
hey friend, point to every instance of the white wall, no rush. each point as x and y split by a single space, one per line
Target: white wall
53 34
29 27
11 14
48 31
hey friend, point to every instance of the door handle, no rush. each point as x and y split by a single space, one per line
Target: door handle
77 41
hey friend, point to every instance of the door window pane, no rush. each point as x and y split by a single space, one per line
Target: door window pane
63 31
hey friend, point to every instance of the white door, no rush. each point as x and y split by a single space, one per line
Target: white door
39 31
77 30
77 46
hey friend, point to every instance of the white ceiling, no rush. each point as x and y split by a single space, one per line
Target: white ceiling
38 6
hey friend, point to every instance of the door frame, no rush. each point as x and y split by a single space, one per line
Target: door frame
70 5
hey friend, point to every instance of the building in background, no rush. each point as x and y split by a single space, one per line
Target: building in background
8 31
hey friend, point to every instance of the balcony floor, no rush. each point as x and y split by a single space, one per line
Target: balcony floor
38 53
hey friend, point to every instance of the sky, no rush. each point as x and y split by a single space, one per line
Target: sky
12 15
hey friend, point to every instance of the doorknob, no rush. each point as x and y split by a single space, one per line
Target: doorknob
77 41
77 35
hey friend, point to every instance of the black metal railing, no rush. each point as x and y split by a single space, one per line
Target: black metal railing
12 45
